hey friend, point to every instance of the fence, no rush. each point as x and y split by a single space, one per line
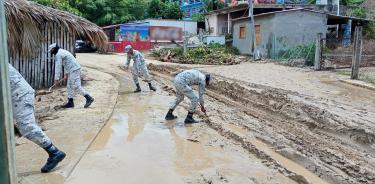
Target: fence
352 51
367 67
336 52
38 70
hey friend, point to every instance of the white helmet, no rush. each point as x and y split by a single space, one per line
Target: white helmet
52 46
127 48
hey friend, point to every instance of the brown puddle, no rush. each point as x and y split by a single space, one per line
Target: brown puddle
138 146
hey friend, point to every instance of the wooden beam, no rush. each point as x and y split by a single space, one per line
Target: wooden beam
7 154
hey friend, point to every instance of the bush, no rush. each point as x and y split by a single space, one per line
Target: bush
305 52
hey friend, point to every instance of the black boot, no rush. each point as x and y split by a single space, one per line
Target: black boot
189 119
89 101
55 156
151 87
170 115
138 89
70 104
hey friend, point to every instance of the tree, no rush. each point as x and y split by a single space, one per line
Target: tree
172 11
165 10
156 8
65 5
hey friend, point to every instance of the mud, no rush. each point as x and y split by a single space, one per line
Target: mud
138 146
333 147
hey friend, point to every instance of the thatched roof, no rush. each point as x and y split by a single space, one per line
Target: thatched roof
25 20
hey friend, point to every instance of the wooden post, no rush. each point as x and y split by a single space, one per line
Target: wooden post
7 154
318 53
357 52
252 27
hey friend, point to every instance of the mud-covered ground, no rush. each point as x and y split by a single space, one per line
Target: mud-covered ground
266 124
338 148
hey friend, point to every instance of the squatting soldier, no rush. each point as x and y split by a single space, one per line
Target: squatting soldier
64 58
23 112
183 83
139 66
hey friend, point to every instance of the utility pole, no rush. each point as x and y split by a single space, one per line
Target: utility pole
7 156
252 27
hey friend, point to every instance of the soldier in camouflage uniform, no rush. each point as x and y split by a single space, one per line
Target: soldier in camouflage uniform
139 66
23 112
64 58
183 84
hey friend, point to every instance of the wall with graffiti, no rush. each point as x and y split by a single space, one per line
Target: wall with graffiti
134 33
164 33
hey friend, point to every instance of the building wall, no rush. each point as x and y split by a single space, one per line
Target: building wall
190 27
280 32
212 24
244 45
292 29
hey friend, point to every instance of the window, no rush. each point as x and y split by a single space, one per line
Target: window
257 35
242 32
224 30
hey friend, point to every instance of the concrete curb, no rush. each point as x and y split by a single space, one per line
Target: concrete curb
359 83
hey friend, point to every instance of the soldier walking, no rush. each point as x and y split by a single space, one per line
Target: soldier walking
23 112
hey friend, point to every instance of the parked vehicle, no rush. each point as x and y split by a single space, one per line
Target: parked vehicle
82 47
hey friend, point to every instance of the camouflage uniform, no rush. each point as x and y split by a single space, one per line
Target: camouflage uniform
139 66
23 109
71 67
183 83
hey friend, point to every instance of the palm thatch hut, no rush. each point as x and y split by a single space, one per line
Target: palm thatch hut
32 27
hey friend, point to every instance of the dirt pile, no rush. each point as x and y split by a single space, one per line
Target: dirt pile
208 55
336 149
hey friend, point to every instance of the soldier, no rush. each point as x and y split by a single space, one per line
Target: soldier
23 112
139 66
183 84
64 58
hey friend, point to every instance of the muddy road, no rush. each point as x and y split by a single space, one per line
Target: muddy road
138 146
254 134
332 147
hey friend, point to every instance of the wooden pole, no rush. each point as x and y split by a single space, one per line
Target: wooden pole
7 154
252 26
318 53
357 52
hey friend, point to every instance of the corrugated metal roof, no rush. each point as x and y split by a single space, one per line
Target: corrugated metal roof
332 16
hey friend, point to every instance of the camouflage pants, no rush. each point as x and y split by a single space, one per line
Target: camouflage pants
74 84
23 112
183 90
140 67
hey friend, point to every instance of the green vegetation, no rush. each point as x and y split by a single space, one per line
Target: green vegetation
359 11
106 12
306 53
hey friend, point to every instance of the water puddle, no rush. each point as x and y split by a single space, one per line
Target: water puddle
138 146
287 163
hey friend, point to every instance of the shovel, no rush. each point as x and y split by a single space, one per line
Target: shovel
50 89
139 75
